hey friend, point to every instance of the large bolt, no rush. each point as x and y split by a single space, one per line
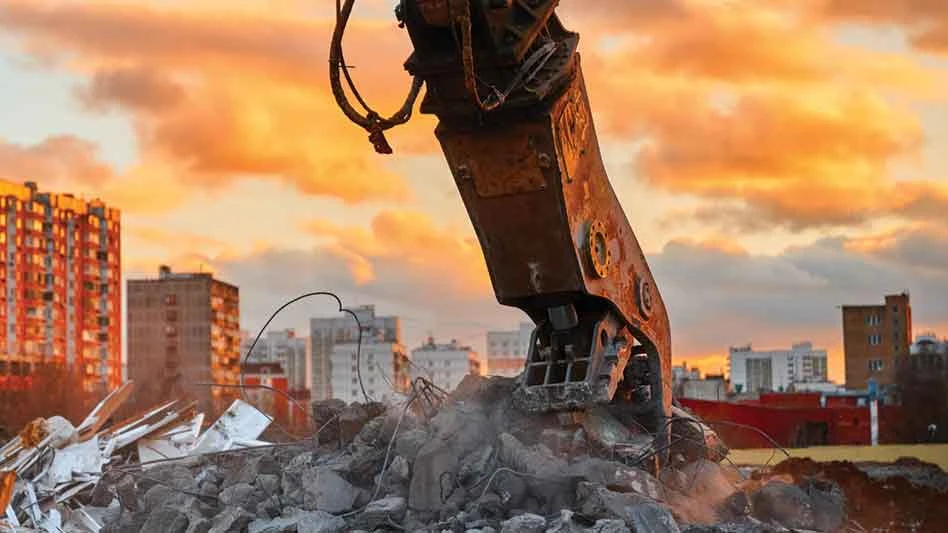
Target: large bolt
645 297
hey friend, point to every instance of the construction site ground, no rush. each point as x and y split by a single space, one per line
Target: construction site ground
887 453
467 461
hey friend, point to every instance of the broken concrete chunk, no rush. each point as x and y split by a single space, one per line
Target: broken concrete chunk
618 477
351 421
381 513
694 439
708 481
784 504
608 526
457 432
537 460
274 525
231 520
161 495
236 495
324 490
320 522
251 469
525 523
60 432
566 524
399 469
125 490
371 432
408 443
604 429
511 488
650 518
199 525
596 501
167 520
269 483
475 465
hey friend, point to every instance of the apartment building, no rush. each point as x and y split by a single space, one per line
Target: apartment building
338 363
507 350
183 329
776 370
60 285
874 338
445 365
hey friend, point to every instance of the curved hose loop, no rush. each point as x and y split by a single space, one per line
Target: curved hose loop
371 121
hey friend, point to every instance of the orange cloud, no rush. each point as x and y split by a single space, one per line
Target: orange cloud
412 243
167 238
754 107
227 95
926 21
57 161
66 163
749 103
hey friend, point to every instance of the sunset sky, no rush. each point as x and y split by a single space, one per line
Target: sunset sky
776 158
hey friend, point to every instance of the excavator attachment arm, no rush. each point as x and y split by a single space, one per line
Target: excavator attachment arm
505 80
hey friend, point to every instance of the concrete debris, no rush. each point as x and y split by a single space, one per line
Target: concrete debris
324 490
692 439
476 464
525 523
52 472
241 422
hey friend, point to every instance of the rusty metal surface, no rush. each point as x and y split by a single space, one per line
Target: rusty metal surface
505 81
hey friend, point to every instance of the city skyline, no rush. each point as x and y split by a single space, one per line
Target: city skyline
767 183
480 335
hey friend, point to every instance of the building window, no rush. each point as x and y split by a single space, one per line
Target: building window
873 320
875 340
876 365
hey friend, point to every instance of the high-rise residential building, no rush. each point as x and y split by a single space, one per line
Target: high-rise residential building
875 337
445 365
776 370
335 367
507 350
184 329
60 285
287 349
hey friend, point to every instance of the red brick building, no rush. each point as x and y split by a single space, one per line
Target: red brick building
875 337
60 285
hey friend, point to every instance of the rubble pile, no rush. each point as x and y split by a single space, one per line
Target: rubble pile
53 475
469 462
907 495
